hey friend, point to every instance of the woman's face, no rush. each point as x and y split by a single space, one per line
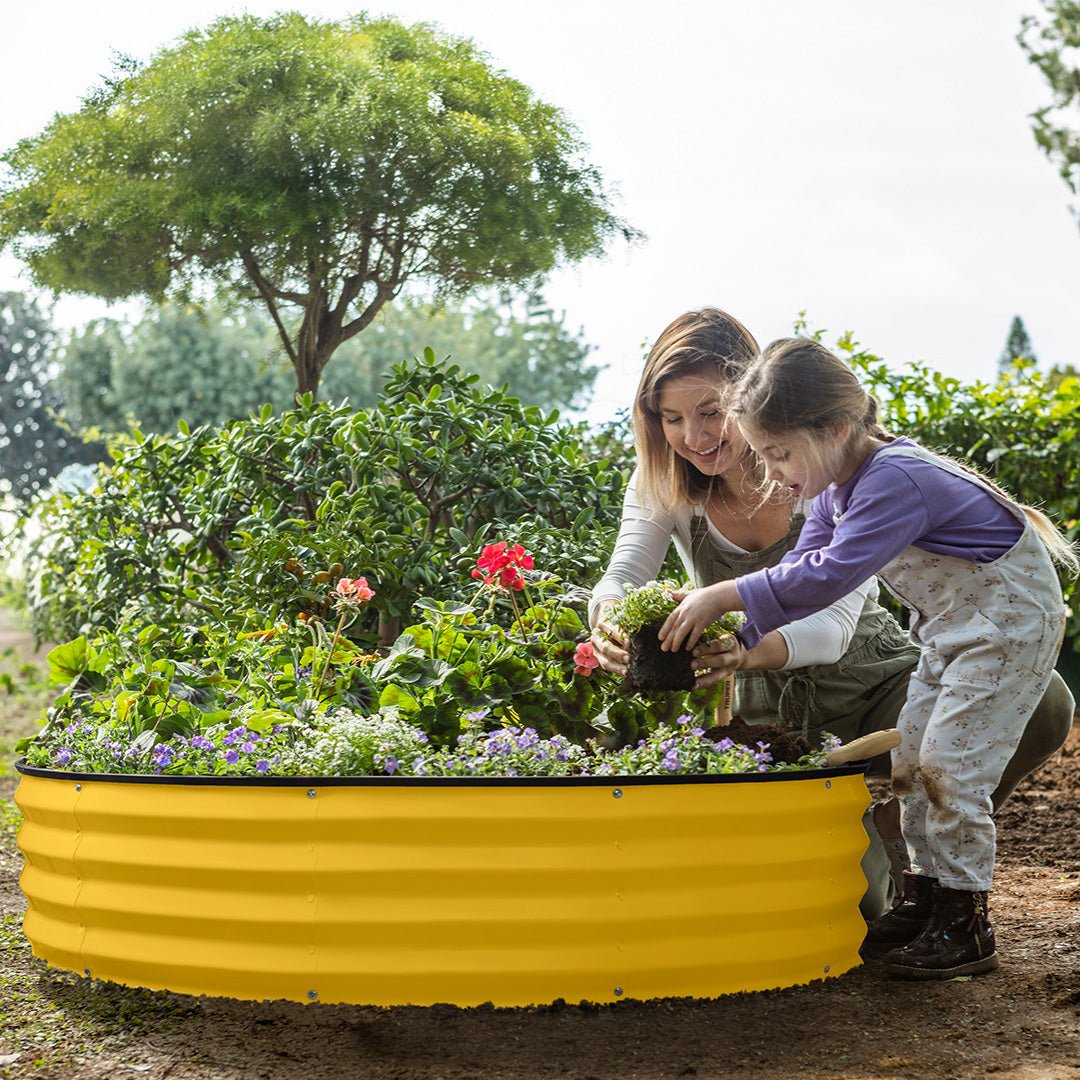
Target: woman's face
696 426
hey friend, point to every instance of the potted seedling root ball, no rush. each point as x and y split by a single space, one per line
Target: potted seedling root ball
640 614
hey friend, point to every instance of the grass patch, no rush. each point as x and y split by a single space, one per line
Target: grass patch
10 820
24 696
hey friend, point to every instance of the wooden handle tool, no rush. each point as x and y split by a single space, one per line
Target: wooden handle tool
866 746
722 716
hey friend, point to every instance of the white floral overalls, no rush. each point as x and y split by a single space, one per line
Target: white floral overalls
990 633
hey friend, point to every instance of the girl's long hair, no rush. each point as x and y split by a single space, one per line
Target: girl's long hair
798 387
709 343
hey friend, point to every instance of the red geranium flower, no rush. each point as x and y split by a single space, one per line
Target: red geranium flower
585 659
501 564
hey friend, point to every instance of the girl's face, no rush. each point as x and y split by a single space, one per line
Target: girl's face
695 425
801 464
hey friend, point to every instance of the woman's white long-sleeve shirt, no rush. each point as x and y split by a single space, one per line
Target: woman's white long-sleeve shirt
646 533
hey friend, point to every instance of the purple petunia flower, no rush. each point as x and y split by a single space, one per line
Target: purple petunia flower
201 742
262 766
231 757
391 765
163 755
63 755
247 747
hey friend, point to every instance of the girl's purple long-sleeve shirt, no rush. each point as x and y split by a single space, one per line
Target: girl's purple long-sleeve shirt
858 527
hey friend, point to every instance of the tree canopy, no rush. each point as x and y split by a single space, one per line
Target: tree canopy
316 166
1051 44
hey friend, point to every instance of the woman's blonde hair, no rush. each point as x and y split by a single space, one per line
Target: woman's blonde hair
710 343
799 388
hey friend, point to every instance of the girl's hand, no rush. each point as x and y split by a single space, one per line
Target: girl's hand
718 660
684 626
608 642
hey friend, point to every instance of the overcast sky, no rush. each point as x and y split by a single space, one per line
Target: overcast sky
869 163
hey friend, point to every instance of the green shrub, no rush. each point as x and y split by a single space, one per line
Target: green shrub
246 525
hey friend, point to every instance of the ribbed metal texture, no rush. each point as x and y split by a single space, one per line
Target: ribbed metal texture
389 895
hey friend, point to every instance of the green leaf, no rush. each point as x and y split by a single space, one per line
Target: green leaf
68 661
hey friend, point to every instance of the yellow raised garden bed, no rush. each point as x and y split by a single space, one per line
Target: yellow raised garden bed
393 891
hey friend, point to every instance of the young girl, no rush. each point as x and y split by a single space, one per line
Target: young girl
974 568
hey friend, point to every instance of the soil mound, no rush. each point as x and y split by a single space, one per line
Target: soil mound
784 745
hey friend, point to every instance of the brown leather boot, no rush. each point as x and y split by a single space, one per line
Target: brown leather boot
905 921
958 940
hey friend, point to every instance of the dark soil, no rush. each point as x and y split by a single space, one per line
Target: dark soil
783 745
651 670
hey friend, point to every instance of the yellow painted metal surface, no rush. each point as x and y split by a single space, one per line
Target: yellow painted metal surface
393 894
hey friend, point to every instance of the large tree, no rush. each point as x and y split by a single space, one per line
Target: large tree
1051 44
34 447
317 166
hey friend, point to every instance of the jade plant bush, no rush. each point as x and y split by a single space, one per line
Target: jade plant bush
501 685
252 521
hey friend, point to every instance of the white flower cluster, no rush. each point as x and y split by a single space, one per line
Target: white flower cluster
347 744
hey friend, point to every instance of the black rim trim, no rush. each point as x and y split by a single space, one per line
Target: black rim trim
786 775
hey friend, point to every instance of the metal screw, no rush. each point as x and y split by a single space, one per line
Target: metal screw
617 793
828 783
312 994
311 793
618 991
826 969
78 787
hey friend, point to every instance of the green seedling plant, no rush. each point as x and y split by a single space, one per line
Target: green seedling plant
654 601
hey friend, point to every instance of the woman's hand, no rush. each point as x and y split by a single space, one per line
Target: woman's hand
717 660
608 642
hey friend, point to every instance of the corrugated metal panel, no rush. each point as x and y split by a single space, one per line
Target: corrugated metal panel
389 895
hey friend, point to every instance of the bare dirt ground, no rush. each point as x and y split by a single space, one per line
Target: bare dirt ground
1021 1022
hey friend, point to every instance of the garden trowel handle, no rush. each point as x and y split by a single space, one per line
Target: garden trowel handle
722 717
866 746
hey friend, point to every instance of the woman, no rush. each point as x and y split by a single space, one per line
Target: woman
844 670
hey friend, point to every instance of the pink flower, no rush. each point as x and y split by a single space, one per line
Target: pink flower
585 659
502 564
353 591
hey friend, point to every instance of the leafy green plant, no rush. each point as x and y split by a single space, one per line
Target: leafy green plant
654 601
171 698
